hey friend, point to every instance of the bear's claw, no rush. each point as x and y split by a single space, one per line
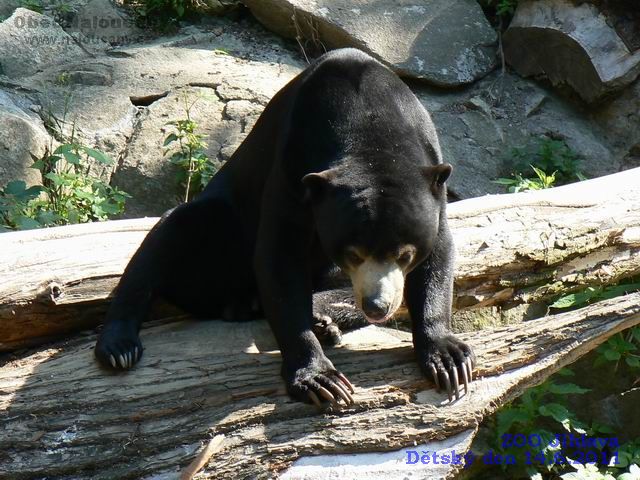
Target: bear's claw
320 383
449 363
118 349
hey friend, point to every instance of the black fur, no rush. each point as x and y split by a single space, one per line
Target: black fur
259 229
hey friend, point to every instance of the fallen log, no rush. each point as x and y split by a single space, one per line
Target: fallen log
62 417
519 249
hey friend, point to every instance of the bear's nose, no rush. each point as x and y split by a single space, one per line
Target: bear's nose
374 308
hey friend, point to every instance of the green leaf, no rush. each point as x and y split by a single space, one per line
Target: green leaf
612 355
47 218
575 299
26 223
567 388
564 302
65 148
509 416
633 362
16 187
599 361
98 155
601 427
72 158
55 178
565 372
558 412
170 139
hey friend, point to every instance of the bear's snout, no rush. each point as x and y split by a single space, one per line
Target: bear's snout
375 309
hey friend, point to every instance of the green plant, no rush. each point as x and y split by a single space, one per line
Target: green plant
503 7
16 212
617 347
195 169
63 79
620 347
62 8
549 155
542 155
594 294
35 5
523 184
166 12
69 193
536 416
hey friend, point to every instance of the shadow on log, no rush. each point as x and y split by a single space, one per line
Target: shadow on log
64 417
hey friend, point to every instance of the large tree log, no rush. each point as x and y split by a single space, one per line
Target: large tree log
512 249
62 417
571 45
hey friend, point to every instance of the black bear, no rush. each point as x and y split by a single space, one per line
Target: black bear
343 168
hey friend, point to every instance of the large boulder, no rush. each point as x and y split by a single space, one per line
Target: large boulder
619 122
101 22
22 135
446 42
570 45
121 102
30 42
480 126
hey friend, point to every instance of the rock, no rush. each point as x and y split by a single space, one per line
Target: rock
30 42
481 125
571 45
218 7
145 171
121 100
624 17
100 21
23 135
446 42
619 124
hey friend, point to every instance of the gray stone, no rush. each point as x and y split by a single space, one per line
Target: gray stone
119 103
145 171
101 22
619 124
30 42
218 7
481 125
23 135
446 42
571 45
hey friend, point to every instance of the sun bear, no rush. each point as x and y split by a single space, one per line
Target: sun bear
342 170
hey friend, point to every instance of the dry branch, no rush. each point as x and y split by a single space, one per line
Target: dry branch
512 249
63 417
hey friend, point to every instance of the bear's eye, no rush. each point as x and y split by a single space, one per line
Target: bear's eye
352 258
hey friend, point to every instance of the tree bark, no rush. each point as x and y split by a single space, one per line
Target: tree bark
62 417
524 248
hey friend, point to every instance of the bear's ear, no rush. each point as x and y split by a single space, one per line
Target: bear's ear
317 183
436 175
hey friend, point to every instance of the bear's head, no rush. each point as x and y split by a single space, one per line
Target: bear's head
377 224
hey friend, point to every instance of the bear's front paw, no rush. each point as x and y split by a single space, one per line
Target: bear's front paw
118 347
325 330
448 362
318 382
